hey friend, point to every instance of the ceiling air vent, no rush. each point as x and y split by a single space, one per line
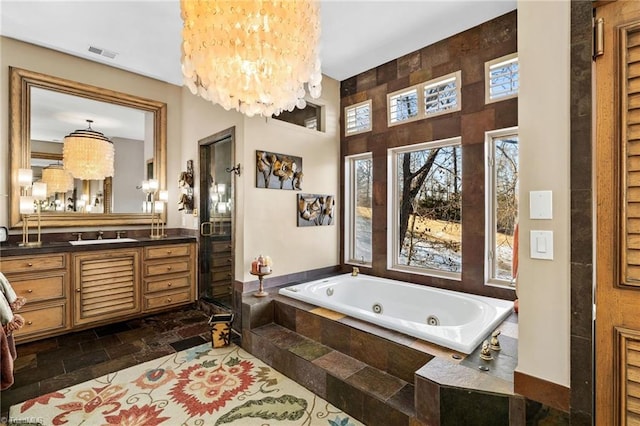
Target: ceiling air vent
102 52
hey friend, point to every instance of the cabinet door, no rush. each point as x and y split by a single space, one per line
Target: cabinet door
106 285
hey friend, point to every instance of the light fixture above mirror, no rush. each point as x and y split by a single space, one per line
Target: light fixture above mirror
23 82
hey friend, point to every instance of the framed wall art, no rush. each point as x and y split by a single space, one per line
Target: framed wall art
315 209
279 171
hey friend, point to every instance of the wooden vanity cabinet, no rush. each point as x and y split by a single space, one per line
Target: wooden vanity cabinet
106 285
169 276
75 290
44 281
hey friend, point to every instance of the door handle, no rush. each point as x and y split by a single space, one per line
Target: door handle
202 227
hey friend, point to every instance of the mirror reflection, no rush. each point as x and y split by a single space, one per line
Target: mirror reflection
44 110
55 115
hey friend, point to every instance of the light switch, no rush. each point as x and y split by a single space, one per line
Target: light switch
541 245
540 205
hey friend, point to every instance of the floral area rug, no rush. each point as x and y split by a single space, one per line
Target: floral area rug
198 386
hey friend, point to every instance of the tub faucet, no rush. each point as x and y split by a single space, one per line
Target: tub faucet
355 271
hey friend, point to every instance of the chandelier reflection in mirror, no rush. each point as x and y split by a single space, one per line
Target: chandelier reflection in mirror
252 56
88 154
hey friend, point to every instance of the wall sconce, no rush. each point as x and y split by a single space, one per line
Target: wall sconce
27 202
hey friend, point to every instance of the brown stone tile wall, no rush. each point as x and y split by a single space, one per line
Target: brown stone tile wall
582 373
468 52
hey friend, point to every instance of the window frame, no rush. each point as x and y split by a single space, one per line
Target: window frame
349 206
355 107
491 207
487 80
457 77
393 210
420 88
418 116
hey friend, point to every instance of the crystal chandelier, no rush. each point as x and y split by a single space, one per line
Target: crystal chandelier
252 56
88 154
58 179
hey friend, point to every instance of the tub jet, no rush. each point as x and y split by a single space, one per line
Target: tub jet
433 320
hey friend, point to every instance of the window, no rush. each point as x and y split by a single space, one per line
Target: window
357 118
358 208
442 95
502 203
308 117
425 208
403 106
438 96
311 123
501 78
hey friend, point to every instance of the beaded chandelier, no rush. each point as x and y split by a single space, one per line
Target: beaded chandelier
57 179
88 154
252 56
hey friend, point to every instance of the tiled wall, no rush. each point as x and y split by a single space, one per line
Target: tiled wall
468 52
581 215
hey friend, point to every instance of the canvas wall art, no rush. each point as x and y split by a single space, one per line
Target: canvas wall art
315 209
278 171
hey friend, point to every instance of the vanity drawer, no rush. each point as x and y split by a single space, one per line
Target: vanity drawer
39 287
42 320
167 284
168 267
33 263
167 299
159 252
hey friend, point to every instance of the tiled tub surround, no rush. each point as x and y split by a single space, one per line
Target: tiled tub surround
448 318
383 377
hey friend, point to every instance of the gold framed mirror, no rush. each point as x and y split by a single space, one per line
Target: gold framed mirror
22 82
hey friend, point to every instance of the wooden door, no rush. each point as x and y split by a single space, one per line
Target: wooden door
617 149
106 285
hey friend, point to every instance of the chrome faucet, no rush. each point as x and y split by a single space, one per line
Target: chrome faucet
77 234
355 271
99 233
120 233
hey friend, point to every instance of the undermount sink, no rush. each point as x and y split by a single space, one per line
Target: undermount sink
103 241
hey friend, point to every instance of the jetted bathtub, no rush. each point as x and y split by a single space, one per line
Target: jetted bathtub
458 321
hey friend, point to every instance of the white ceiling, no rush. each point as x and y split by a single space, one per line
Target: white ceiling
357 35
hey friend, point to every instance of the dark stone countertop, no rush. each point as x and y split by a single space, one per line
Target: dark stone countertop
65 246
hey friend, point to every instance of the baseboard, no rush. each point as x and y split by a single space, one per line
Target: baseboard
540 390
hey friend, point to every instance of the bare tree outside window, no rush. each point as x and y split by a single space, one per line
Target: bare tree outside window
505 160
358 208
363 204
441 97
430 208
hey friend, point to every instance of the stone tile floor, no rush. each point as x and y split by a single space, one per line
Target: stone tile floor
58 362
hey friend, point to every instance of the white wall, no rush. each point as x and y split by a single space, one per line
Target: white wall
266 218
129 161
544 126
270 215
